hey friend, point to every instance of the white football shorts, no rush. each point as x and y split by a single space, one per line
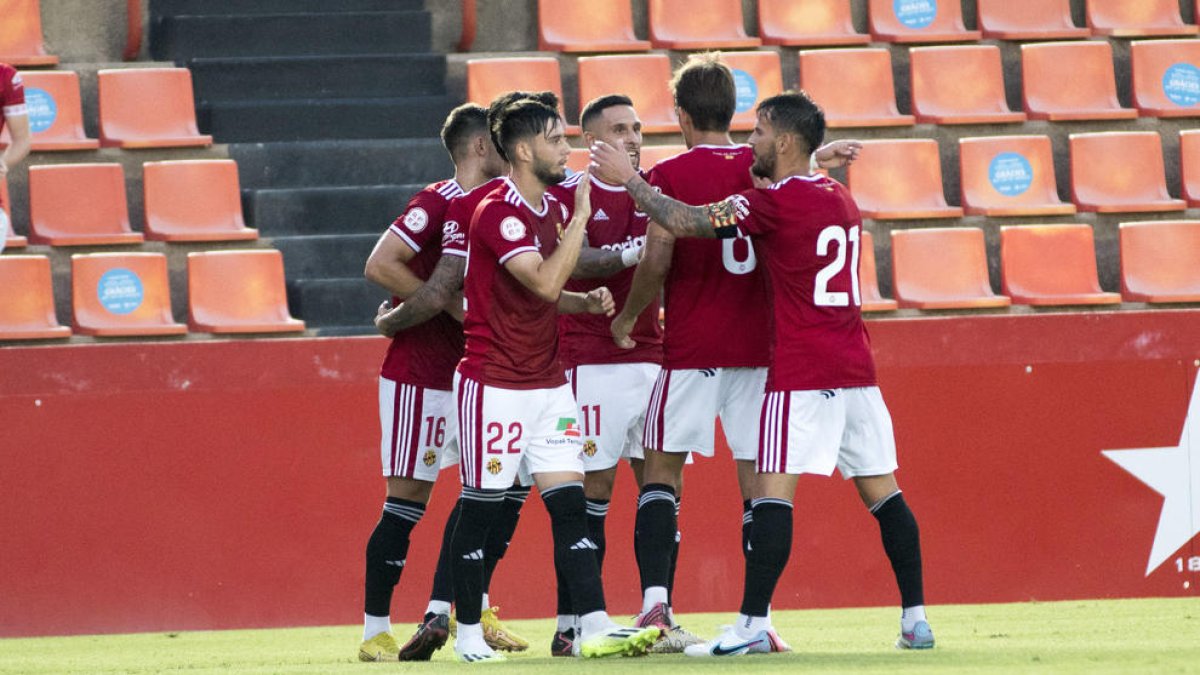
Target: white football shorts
686 402
418 434
612 410
815 431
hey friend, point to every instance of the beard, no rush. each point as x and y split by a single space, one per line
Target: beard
764 166
549 173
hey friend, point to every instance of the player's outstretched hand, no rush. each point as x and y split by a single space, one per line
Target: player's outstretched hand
380 321
583 197
600 301
611 163
837 154
621 328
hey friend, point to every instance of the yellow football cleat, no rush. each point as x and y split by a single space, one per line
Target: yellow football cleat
625 641
495 633
382 647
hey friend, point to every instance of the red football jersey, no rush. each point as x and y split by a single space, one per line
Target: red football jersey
425 355
12 93
512 335
458 217
616 224
715 294
807 231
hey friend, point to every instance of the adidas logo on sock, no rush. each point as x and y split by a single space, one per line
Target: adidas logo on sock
394 563
584 545
477 554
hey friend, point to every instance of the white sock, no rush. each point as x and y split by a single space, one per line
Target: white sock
486 603
593 623
566 622
909 617
653 596
470 639
749 626
438 607
374 625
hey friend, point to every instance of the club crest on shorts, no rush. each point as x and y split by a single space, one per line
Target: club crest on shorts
589 448
494 466
430 457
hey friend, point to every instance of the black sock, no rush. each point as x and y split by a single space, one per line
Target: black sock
386 551
747 525
654 536
443 578
480 510
902 542
597 512
770 546
674 557
501 535
563 606
574 551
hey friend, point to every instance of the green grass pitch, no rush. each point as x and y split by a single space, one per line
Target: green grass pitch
1117 636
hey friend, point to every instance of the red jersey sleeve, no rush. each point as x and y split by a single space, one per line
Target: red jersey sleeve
420 223
454 229
499 226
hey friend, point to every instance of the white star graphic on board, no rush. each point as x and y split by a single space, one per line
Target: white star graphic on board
1173 473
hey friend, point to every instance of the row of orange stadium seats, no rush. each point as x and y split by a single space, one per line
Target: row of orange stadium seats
122 294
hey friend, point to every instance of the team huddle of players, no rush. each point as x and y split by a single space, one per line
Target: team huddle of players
527 349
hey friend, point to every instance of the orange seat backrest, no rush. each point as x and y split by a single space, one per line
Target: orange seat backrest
715 22
868 277
488 78
916 21
1028 19
63 113
596 25
4 202
814 22
824 74
1189 165
21 42
28 307
1059 76
238 289
145 104
1128 18
653 154
1007 172
642 77
1117 167
122 294
1160 258
960 80
77 199
897 174
757 76
1042 260
196 197
939 264
1166 76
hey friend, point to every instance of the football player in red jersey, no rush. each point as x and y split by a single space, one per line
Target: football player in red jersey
823 407
15 116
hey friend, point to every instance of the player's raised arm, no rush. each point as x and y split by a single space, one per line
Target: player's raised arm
837 154
545 277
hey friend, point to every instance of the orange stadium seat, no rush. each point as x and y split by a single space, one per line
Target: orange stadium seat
578 159
194 200
653 154
697 24
79 205
148 108
1160 261
808 24
488 78
1166 77
942 268
119 294
55 111
1028 20
1070 81
1051 265
919 21
1009 176
1189 166
757 76
1137 18
959 85
642 77
870 102
593 26
868 279
13 240
899 179
21 41
27 312
1120 172
238 292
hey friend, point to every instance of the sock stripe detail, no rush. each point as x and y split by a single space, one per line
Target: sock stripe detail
879 504
412 514
563 486
763 501
517 494
480 495
597 508
654 496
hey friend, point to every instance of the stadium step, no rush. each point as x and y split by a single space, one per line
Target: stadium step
341 163
325 256
336 306
316 119
159 8
321 77
342 210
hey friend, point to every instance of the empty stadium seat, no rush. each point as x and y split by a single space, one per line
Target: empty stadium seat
959 85
27 312
1160 261
1048 265
918 22
1189 166
238 292
12 240
899 179
578 159
79 205
1120 172
1136 18
807 24
55 111
697 24
942 268
642 77
148 108
1028 20
854 86
1166 77
194 200
1009 176
653 154
757 76
868 279
121 294
488 78
21 41
1070 81
593 26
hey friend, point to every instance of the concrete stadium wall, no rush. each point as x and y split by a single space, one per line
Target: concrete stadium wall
153 486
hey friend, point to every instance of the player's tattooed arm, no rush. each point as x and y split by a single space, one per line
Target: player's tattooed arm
597 263
441 292
676 217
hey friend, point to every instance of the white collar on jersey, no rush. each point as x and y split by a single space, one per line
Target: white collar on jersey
720 147
512 188
811 178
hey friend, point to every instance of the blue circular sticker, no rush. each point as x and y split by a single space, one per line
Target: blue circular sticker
1181 84
120 291
747 90
1010 173
42 110
915 13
